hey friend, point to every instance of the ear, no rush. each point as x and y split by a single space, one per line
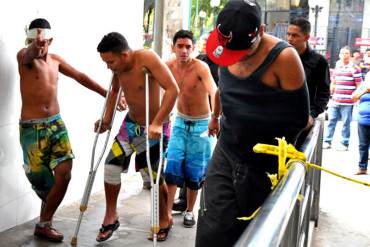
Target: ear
261 30
173 48
50 41
306 37
124 54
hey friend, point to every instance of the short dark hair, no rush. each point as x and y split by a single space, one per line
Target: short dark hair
346 47
39 23
114 42
302 23
367 49
183 34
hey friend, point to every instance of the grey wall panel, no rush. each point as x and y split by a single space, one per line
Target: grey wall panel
8 85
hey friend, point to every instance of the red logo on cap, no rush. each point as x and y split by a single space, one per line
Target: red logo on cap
222 40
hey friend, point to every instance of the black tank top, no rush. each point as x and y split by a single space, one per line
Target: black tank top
254 112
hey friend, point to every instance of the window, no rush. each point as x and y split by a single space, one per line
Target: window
345 23
276 14
277 5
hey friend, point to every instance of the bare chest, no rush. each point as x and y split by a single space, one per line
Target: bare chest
187 80
132 84
39 75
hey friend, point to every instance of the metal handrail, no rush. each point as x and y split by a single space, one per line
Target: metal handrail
284 218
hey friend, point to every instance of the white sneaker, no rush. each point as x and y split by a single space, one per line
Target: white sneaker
189 220
342 148
326 145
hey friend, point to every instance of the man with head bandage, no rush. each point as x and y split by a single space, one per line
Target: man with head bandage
38 25
47 152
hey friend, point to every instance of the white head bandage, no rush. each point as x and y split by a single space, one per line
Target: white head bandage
32 33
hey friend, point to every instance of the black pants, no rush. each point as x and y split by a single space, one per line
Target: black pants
232 190
182 193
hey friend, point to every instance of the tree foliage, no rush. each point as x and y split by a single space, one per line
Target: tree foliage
195 21
211 14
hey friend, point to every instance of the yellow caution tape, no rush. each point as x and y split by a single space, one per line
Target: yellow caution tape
274 180
250 217
336 174
300 197
282 155
284 151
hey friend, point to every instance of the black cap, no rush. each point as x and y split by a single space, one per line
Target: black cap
236 30
39 23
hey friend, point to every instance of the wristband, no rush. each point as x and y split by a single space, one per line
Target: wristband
214 116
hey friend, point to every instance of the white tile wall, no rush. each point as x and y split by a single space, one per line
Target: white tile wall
11 172
28 206
9 86
8 215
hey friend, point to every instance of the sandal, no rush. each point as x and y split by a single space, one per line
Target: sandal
107 231
162 233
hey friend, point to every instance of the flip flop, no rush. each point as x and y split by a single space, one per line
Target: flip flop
108 228
162 232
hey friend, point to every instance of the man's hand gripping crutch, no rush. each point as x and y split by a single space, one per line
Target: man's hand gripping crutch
100 127
154 181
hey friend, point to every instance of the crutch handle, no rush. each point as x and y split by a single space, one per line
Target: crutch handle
147 71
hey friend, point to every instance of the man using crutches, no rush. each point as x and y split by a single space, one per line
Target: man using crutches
128 66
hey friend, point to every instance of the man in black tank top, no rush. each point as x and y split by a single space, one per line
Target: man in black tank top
263 95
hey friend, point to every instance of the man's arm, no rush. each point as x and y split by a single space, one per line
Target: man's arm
322 78
33 50
332 85
214 123
165 79
361 90
80 77
107 118
357 76
26 55
290 72
291 76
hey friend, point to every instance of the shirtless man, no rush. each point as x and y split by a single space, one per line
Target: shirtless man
190 147
127 66
46 148
263 96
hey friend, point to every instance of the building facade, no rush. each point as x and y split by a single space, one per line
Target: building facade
335 23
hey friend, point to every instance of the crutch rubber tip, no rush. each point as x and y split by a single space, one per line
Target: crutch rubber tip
74 241
83 208
155 229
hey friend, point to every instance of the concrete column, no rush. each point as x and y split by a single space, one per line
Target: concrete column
173 21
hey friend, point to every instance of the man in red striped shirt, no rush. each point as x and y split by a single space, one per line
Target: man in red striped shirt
346 78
